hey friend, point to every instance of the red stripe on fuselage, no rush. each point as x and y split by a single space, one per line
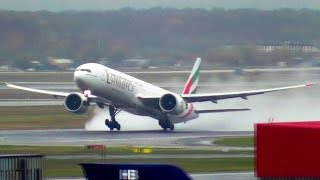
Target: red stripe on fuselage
189 112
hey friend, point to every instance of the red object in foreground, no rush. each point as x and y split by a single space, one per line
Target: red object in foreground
96 146
287 150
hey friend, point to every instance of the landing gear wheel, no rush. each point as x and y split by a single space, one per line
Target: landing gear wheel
166 125
164 128
107 122
118 126
171 127
163 125
113 124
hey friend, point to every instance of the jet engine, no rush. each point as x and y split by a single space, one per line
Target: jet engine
172 104
76 103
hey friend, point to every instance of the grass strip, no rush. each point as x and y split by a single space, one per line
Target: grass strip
125 150
40 117
247 141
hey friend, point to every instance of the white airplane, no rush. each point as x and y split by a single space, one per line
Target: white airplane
108 87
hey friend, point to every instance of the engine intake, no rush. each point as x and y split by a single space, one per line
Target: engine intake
76 103
172 104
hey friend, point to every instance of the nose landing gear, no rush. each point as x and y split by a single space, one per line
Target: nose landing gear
113 124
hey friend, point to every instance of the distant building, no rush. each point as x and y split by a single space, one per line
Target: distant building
60 63
4 68
303 47
136 62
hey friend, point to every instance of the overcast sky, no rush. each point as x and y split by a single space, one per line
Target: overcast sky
60 5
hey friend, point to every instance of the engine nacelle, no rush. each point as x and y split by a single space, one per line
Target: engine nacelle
172 104
76 103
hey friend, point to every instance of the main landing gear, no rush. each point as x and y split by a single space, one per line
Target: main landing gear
113 124
166 124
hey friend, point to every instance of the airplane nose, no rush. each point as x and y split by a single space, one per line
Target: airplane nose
78 78
76 75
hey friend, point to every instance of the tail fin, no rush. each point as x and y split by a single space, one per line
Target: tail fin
193 80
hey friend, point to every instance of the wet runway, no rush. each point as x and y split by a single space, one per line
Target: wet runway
114 138
159 138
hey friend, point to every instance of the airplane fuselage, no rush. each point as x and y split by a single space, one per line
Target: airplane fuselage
123 92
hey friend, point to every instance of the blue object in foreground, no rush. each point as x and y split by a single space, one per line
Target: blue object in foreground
133 171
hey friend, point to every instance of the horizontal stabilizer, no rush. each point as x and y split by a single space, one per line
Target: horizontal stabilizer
220 110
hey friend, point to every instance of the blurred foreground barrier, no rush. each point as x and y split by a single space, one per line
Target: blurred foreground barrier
133 171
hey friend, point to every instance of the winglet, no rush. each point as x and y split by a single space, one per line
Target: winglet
193 80
309 84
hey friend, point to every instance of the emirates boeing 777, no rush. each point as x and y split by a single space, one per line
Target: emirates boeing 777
107 87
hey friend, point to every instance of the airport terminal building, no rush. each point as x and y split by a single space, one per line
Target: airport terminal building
21 167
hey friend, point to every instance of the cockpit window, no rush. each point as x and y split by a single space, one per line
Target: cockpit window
87 70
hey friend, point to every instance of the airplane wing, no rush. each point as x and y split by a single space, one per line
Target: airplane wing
57 94
53 93
214 97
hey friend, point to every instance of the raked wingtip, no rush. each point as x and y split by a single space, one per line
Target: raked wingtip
310 84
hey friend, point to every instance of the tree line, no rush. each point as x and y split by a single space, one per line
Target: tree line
163 35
